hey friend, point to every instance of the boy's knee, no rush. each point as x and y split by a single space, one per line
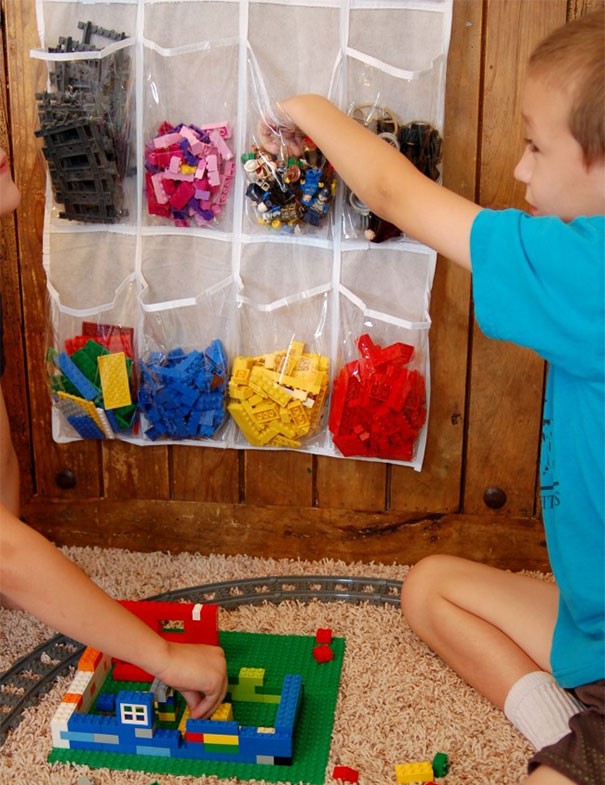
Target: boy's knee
421 585
425 585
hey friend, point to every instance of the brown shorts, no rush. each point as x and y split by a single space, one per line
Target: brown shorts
580 755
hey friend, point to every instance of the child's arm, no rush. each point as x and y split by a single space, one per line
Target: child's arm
37 577
384 179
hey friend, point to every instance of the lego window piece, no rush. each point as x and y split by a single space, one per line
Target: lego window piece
133 714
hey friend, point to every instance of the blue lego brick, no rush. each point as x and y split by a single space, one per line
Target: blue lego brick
224 727
160 752
93 723
106 702
85 387
85 426
291 696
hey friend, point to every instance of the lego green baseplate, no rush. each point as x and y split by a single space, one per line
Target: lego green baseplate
278 655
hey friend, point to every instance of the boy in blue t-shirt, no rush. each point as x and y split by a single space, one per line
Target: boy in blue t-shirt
536 649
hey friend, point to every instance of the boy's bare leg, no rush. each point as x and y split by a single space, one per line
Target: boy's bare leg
544 775
492 627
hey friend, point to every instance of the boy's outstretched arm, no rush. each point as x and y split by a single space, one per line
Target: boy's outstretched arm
37 577
384 179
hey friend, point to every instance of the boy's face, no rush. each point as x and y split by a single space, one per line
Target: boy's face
9 193
552 165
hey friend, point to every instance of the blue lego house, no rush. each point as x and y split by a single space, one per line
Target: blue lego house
150 722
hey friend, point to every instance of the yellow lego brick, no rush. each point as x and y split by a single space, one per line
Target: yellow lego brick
221 738
262 383
413 772
301 383
257 421
240 370
183 722
293 355
166 716
299 417
315 411
266 416
277 437
245 423
286 428
114 380
254 676
282 441
224 713
268 360
240 392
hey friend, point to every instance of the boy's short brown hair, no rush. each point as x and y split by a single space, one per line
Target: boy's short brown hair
573 56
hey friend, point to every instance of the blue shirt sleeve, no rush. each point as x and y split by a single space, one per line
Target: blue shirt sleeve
539 282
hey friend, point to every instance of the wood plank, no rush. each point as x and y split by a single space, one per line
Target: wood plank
305 533
205 474
347 484
14 380
437 486
577 8
26 76
278 477
131 470
506 382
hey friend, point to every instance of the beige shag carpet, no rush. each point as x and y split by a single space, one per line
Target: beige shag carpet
398 702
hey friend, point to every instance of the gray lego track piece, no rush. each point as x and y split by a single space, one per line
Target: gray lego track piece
34 674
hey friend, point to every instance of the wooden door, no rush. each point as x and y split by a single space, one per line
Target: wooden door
486 396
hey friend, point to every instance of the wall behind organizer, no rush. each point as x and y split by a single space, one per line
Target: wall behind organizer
484 423
200 63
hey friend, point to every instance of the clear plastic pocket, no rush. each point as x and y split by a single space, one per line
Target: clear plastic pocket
189 131
279 383
90 366
380 395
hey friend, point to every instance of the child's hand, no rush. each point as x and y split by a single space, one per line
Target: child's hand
278 134
199 673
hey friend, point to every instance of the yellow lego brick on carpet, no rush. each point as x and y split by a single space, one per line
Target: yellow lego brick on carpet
413 772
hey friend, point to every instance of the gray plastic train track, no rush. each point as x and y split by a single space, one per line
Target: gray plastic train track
34 674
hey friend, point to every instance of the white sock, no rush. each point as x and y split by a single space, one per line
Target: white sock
540 709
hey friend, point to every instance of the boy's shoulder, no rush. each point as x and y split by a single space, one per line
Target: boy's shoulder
539 237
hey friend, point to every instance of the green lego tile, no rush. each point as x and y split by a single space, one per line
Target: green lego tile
279 655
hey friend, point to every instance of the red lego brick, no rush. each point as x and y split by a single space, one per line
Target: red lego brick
346 774
323 654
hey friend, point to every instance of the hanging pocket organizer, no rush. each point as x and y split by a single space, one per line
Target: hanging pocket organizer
195 268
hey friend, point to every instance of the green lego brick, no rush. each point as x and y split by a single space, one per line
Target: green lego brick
229 749
441 764
279 655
